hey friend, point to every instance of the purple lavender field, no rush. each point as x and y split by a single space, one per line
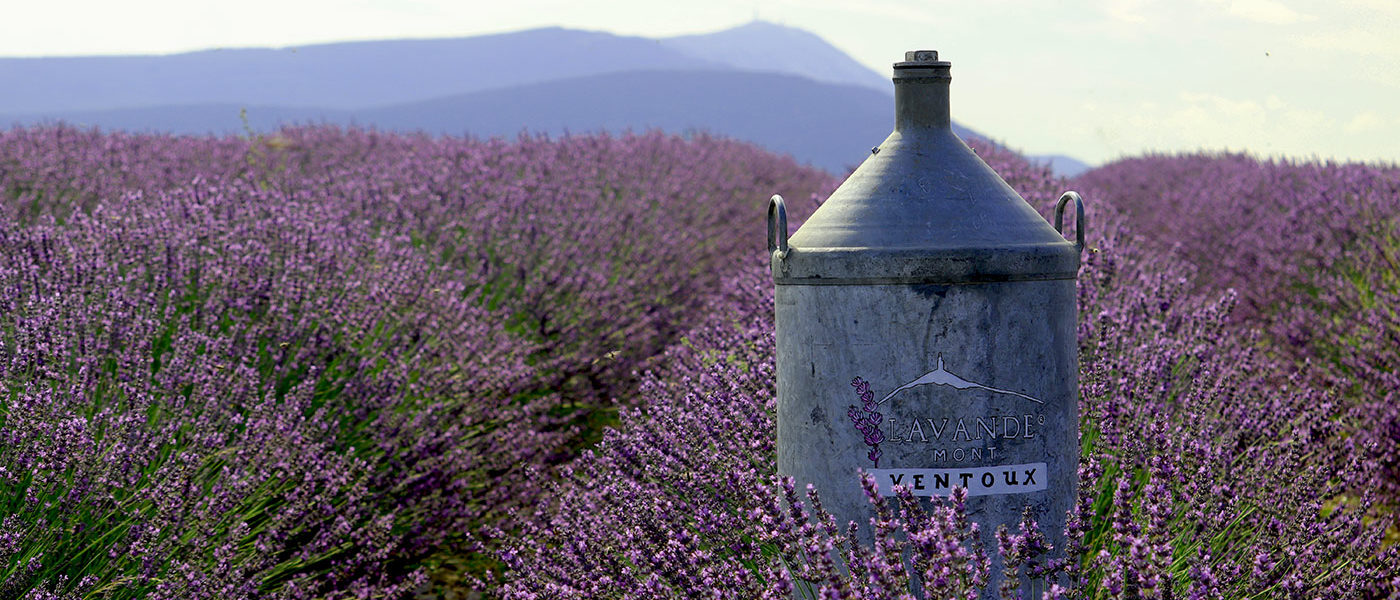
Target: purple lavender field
335 363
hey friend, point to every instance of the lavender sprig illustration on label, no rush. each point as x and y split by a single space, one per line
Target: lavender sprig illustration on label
866 418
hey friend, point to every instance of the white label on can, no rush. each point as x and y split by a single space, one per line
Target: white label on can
979 481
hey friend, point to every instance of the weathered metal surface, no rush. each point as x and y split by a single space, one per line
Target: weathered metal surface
926 330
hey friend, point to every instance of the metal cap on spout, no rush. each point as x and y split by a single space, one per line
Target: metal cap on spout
921 90
923 208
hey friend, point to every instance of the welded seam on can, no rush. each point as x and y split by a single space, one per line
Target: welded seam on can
923 280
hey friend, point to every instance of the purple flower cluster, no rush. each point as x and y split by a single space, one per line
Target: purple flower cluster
1313 252
867 419
1255 226
304 365
1211 468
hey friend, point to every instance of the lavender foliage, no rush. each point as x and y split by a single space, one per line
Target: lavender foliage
1313 252
302 365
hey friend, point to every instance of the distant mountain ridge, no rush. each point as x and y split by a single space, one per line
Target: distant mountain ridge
780 87
775 108
762 46
343 75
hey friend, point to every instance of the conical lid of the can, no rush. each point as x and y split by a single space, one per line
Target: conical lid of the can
923 208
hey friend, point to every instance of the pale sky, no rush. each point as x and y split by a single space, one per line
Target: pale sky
1093 79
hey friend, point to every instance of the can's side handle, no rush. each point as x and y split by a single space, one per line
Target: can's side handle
777 227
1078 218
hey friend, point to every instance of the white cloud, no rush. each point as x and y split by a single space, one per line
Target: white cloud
1368 53
1125 11
1390 7
1267 11
1365 122
1210 106
1208 121
1353 41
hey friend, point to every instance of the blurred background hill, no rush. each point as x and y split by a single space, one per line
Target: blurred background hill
781 87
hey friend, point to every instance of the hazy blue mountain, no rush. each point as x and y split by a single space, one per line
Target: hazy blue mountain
337 76
764 46
1064 166
830 126
780 87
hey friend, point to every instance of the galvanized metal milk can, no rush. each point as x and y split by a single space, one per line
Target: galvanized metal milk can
926 330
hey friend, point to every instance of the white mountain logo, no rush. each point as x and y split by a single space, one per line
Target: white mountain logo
941 376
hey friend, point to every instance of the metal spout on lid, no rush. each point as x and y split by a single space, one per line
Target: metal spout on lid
924 209
921 91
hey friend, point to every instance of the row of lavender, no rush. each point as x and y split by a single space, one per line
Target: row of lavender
1312 249
1213 466
303 365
